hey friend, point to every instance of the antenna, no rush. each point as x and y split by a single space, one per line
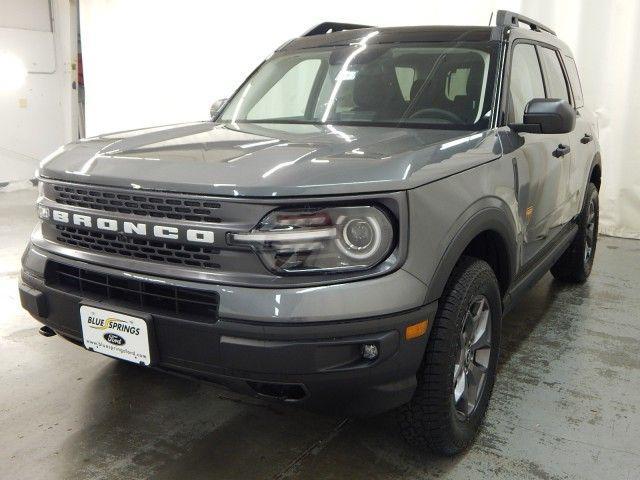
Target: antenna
491 18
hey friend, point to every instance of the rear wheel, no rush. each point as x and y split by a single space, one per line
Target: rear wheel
576 262
459 367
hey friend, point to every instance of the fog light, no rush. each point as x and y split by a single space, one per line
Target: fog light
43 212
369 351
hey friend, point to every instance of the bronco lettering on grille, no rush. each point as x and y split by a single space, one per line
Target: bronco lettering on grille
163 232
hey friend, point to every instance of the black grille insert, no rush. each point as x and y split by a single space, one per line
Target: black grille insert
138 203
128 292
139 248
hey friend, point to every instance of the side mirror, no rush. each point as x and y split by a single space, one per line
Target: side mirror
547 115
216 108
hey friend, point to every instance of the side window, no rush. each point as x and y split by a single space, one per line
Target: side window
526 80
556 83
288 97
572 71
405 76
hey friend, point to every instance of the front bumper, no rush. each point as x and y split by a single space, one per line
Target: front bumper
316 363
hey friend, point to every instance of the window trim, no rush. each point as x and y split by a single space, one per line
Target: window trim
566 70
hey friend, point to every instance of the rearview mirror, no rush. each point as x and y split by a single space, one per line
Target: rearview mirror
547 115
216 108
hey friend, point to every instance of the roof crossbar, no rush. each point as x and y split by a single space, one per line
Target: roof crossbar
506 18
327 27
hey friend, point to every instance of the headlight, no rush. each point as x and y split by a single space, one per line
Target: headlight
321 239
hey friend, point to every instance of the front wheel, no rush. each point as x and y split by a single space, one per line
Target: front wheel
575 264
459 367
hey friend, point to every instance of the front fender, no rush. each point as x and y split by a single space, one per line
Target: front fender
489 214
447 215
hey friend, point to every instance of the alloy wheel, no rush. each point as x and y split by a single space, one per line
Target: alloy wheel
470 370
590 234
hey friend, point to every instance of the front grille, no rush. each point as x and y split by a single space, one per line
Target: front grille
137 294
134 203
138 248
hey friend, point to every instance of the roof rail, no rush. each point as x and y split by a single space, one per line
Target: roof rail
506 18
327 27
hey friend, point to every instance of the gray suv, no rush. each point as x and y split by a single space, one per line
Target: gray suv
345 234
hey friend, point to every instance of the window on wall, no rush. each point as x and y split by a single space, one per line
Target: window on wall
572 71
556 83
526 81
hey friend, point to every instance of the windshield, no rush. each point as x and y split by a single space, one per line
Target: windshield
435 85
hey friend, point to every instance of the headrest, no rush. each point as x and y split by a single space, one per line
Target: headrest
375 88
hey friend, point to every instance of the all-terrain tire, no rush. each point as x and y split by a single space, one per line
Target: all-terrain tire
575 264
431 419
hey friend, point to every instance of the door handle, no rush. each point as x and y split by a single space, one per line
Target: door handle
561 151
586 139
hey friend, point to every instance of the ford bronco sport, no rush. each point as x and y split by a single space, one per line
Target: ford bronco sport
346 233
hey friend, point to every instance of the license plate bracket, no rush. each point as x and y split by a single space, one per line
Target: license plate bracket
124 335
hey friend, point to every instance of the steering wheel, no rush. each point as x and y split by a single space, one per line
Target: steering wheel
437 113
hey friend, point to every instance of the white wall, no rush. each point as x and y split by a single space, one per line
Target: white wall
35 117
163 61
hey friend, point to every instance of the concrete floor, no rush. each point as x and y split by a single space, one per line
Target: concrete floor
566 402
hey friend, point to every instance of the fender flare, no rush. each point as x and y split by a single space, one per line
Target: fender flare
596 162
488 214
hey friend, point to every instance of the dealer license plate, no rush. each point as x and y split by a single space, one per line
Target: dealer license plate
115 334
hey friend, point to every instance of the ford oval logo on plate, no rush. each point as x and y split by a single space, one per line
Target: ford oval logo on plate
114 339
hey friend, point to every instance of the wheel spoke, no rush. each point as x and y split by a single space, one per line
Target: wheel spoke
482 331
477 307
459 385
592 214
457 371
475 380
471 391
464 332
481 359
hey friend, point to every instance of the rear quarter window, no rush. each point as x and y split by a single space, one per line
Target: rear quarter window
574 78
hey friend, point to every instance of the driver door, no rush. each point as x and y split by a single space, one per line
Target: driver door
541 166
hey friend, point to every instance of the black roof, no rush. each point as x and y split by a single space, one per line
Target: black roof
336 33
398 34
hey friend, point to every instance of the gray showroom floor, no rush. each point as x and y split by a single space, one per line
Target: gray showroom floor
566 403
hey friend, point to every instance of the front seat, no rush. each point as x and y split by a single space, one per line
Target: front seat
377 95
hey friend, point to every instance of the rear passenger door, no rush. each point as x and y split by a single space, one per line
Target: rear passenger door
542 178
583 143
558 87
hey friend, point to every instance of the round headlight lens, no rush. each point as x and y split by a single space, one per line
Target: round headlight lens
360 237
358 234
322 239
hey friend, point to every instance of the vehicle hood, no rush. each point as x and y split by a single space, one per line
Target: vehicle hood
267 160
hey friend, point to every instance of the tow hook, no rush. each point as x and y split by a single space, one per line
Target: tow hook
46 331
